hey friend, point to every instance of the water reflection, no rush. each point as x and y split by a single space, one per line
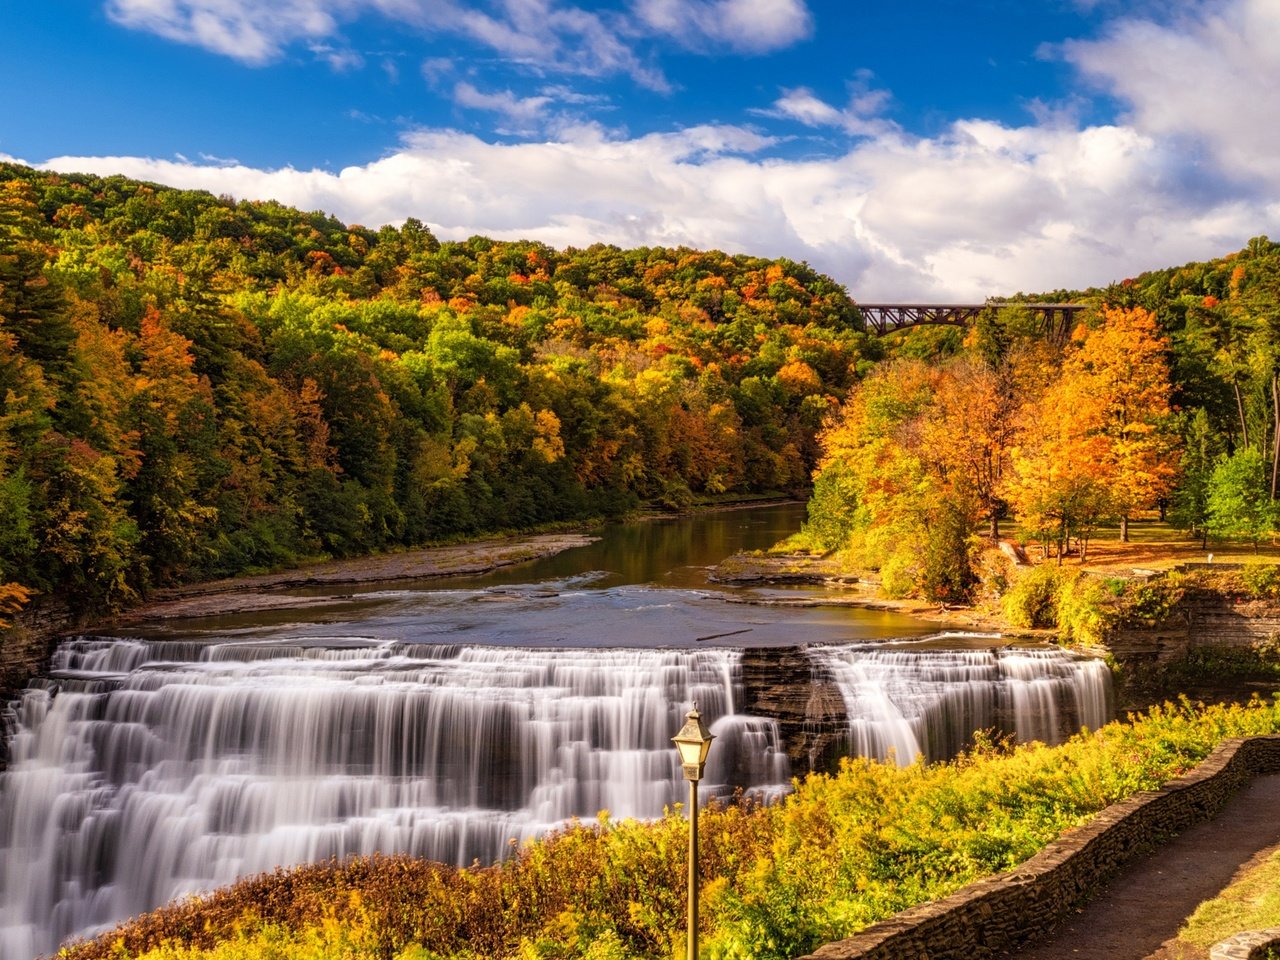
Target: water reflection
642 584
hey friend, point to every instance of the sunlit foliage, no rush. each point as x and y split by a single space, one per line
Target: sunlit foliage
192 386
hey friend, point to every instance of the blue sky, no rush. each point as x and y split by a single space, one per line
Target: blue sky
938 149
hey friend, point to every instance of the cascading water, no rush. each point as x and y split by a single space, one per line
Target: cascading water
905 701
143 771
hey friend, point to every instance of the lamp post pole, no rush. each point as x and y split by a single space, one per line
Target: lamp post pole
693 742
692 939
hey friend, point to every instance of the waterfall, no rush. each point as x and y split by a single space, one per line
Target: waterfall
903 702
140 771
143 771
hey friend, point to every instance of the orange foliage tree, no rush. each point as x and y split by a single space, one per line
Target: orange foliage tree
1118 384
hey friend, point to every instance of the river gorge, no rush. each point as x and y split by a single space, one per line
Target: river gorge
452 718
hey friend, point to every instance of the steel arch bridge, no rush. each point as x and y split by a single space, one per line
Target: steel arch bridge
885 318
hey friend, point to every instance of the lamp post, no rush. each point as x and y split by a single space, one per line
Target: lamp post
694 742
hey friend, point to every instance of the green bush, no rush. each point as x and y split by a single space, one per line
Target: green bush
900 575
1033 599
1261 579
1086 609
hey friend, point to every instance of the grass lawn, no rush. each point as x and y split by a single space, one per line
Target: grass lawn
1251 902
1155 545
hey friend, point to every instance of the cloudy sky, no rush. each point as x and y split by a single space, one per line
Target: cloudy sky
929 149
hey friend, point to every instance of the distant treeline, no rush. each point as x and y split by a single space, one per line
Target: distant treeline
192 386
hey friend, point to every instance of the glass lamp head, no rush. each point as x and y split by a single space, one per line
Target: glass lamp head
693 743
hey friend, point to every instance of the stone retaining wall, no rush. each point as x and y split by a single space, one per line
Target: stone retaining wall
1253 945
991 915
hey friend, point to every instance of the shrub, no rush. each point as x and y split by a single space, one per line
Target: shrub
1261 579
1154 601
900 575
1086 610
1033 600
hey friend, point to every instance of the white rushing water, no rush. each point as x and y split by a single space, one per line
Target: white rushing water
905 702
145 770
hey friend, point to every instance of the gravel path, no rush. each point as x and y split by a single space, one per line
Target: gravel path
1137 915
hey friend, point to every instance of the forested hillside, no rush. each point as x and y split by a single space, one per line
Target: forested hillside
1166 397
192 386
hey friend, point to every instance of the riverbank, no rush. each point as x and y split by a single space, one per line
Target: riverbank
247 594
29 642
843 589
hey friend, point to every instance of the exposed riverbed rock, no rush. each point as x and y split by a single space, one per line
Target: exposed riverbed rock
267 591
785 684
745 569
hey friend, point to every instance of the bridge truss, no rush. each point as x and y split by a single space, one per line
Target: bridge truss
885 318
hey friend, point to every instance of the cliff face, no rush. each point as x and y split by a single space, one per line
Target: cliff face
787 686
1213 645
26 645
1203 619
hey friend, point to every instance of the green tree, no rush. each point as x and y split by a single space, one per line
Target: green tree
1238 504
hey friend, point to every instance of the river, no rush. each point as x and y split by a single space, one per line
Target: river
452 718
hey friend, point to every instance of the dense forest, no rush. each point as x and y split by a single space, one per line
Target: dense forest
192 386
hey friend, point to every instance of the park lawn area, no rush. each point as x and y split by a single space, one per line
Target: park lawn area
1251 902
1154 545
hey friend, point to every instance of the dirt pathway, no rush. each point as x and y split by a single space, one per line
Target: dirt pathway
1140 910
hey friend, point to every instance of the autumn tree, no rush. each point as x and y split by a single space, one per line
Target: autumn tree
1119 379
885 498
969 430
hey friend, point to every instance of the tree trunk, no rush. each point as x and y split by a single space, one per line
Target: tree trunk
1124 528
1275 445
995 525
1244 427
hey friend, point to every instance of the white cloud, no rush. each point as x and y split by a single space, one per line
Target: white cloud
339 58
749 26
545 33
981 209
522 110
1209 74
246 30
859 118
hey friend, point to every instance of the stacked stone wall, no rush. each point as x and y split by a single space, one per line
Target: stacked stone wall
1253 945
989 916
